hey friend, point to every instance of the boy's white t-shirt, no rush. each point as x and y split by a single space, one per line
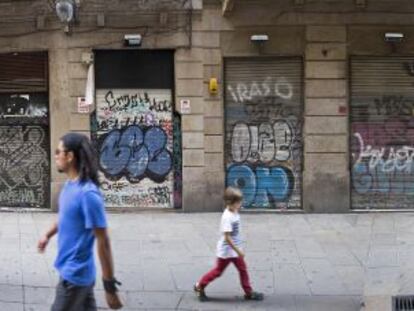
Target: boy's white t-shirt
230 222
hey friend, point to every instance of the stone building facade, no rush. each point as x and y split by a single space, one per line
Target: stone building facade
313 107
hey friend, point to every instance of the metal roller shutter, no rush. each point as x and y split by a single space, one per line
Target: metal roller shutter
24 130
263 144
134 129
23 72
382 132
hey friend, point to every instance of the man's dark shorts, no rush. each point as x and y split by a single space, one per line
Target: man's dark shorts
70 297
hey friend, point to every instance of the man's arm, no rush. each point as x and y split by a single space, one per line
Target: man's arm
105 257
227 237
105 253
41 246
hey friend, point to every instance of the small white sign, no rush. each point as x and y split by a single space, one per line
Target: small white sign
83 107
185 106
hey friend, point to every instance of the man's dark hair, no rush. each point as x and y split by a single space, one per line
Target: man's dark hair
85 156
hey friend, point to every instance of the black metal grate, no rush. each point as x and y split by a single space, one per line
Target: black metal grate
403 303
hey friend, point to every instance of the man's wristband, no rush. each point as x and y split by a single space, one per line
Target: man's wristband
110 285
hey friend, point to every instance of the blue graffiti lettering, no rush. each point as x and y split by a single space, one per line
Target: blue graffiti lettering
361 177
243 177
135 153
366 179
262 187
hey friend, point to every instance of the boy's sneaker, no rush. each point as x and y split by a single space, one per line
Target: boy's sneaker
200 293
254 296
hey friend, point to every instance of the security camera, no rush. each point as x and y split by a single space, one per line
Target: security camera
393 36
259 38
133 40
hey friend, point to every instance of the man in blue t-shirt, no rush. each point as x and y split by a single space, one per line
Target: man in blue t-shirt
81 219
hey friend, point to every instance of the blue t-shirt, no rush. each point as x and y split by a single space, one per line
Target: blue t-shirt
81 209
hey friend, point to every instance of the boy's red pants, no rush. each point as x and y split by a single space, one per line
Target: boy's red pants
221 265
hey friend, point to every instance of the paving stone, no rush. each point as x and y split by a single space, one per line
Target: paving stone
271 303
12 306
381 281
39 295
309 248
382 256
11 293
353 278
323 278
339 255
184 280
326 303
290 280
36 307
153 300
285 251
157 275
262 281
259 260
406 280
217 302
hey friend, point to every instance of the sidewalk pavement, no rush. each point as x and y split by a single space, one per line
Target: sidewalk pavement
302 262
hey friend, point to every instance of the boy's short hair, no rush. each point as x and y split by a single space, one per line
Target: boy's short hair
232 195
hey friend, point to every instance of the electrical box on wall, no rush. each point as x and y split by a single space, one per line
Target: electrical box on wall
213 86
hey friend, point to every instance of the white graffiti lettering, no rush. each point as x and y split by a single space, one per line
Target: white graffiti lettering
246 92
388 160
263 143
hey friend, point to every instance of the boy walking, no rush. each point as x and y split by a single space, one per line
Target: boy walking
81 220
229 248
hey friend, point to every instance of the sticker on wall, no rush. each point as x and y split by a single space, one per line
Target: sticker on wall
185 106
83 106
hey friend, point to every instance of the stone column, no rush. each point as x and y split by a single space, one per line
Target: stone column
326 158
60 112
189 86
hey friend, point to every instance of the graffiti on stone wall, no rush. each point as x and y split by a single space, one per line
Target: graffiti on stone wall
409 66
262 185
382 154
394 106
177 161
280 88
383 158
24 168
117 194
134 133
264 143
135 153
121 110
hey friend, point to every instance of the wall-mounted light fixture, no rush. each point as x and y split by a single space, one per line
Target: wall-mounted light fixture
132 40
66 10
259 41
393 36
393 39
